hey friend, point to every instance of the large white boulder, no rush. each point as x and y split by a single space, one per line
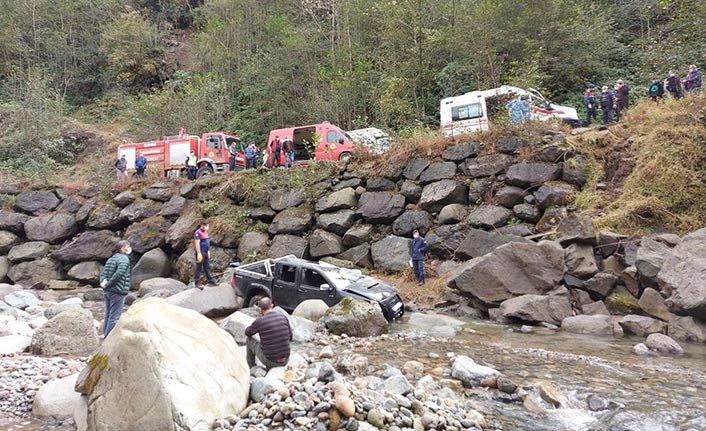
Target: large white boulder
311 309
56 398
215 301
164 368
12 344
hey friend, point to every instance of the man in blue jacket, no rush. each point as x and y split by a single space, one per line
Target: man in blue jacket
419 249
115 281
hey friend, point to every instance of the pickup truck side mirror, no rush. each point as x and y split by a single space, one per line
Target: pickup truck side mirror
325 287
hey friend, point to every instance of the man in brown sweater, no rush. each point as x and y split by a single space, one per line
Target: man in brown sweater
275 334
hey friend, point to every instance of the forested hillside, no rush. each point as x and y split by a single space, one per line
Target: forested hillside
144 68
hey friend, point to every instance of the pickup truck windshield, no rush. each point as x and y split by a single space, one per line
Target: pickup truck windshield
342 277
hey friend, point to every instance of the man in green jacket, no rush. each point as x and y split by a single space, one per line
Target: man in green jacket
115 281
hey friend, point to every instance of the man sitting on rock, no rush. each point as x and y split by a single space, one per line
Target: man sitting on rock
275 334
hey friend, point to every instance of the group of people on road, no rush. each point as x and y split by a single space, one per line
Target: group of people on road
121 168
280 148
613 102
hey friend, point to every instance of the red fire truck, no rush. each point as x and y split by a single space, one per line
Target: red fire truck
212 150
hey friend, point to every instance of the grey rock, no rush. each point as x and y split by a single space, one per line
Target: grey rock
640 349
358 234
509 196
452 214
337 222
264 214
649 259
380 184
412 192
678 274
531 174
595 309
140 210
575 171
4 268
477 191
311 309
42 270
527 212
293 221
516 229
262 386
68 333
684 328
8 240
664 345
148 234
154 263
356 318
51 228
211 301
408 221
235 325
12 221
510 145
71 204
173 207
284 245
652 303
622 302
87 272
105 217
439 194
31 250
161 194
642 325
469 372
551 218
596 403
342 199
170 285
486 166
479 242
36 202
283 199
414 168
323 243
351 182
601 284
220 259
124 199
21 299
576 228
537 308
438 171
358 255
460 152
550 195
580 261
593 325
511 270
380 207
252 244
56 309
445 240
490 216
391 254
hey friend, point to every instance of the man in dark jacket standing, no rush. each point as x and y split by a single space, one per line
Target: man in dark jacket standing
589 101
606 103
673 84
419 249
115 281
275 153
275 334
656 90
622 102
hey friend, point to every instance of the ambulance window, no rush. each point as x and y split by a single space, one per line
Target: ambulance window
466 112
333 137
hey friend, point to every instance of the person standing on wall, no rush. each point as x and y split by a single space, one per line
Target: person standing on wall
202 248
140 166
692 83
115 281
622 98
419 249
606 103
673 84
656 90
589 101
190 164
121 170
275 153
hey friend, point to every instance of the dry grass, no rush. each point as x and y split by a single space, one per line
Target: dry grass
406 285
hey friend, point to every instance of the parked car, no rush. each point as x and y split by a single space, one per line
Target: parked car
288 281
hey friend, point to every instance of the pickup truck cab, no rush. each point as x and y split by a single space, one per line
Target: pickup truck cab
288 281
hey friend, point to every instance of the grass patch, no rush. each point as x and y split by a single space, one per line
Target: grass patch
653 166
406 285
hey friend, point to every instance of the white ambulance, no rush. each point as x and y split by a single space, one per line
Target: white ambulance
468 113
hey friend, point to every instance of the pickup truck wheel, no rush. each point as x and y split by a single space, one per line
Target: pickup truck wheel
204 170
254 300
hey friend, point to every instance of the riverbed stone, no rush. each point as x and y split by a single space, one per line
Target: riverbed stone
87 272
391 254
652 303
341 199
89 245
21 299
284 245
537 308
593 325
580 261
437 195
211 301
235 325
154 263
512 269
478 243
410 220
380 207
52 228
622 302
642 325
355 318
56 309
489 216
469 372
649 259
144 370
487 166
527 175
27 251
155 284
595 309
687 328
56 398
311 309
36 202
601 285
663 344
70 332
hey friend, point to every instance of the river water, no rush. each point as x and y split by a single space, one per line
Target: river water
652 393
